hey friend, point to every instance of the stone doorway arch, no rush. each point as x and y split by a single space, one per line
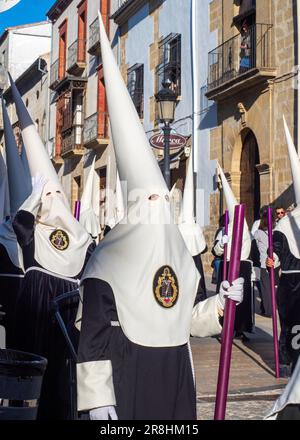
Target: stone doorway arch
245 175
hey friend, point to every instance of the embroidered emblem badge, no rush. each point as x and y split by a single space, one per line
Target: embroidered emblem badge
165 287
59 239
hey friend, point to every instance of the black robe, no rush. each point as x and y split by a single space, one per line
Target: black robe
9 288
290 412
201 295
149 383
244 315
37 330
288 298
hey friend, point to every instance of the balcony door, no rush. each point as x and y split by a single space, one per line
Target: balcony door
250 181
82 28
62 49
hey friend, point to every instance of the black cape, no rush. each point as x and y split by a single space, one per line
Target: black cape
288 296
9 288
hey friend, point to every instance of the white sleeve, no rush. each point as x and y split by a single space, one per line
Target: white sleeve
218 249
205 319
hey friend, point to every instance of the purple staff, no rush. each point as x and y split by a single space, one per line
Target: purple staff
226 223
273 294
229 314
77 210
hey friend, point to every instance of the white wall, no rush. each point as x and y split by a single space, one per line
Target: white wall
26 45
37 106
175 17
140 37
205 167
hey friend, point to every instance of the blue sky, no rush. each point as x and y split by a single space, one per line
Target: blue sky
27 11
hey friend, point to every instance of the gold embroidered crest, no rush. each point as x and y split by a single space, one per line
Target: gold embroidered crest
165 287
59 239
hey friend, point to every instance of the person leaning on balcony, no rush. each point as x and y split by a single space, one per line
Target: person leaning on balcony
245 48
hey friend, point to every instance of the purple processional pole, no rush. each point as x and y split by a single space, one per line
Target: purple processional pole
229 314
273 294
226 223
77 210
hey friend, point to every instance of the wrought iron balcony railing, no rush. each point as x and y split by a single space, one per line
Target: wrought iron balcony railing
137 96
95 129
77 56
72 142
240 55
94 37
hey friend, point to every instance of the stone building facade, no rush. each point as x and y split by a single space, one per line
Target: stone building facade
155 44
253 89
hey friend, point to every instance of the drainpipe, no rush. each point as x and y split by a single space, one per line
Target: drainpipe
196 88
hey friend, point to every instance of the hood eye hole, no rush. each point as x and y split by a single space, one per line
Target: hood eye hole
58 192
48 193
153 197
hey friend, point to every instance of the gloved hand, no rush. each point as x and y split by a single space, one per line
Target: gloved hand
38 183
104 413
224 240
234 292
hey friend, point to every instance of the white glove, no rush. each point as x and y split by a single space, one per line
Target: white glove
224 240
38 183
234 292
104 413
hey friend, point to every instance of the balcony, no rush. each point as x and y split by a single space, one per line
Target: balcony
94 39
77 57
54 76
232 69
72 142
95 131
128 8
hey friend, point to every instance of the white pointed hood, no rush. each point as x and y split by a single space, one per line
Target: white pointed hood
144 258
37 155
118 211
88 217
294 161
7 4
25 164
191 231
7 236
126 128
19 189
231 202
290 224
60 240
9 240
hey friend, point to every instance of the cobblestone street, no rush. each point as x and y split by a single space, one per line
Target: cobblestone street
253 387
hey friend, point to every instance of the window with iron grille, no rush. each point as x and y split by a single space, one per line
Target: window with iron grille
169 68
135 85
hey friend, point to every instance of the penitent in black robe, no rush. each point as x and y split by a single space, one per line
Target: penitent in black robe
11 277
36 329
150 383
288 298
244 315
